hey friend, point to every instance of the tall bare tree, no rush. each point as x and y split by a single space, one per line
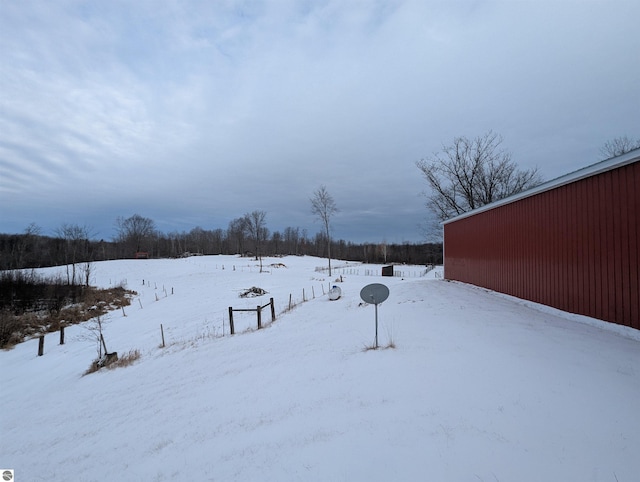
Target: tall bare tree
134 231
324 207
276 240
292 239
470 173
76 247
257 229
25 244
236 233
618 146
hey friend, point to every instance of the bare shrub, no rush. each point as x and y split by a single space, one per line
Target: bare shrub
9 329
33 304
252 292
111 362
389 345
125 360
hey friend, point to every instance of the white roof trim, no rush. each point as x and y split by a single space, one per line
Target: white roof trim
597 168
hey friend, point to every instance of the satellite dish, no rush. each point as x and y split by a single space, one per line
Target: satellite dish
374 293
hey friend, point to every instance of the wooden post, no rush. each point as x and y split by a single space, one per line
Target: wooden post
123 313
62 334
273 311
259 310
231 320
313 292
162 332
41 345
289 301
303 298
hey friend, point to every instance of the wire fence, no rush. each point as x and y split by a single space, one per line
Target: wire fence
398 271
216 323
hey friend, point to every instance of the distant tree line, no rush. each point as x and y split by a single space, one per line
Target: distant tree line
73 246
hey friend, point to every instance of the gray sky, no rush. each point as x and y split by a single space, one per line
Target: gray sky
193 113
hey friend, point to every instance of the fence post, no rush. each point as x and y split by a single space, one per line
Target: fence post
289 301
162 333
41 346
273 311
259 310
62 334
231 320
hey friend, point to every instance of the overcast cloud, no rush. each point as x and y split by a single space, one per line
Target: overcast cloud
193 113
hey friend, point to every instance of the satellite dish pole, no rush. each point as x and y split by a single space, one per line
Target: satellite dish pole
375 294
376 305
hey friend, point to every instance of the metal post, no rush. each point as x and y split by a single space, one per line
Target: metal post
376 325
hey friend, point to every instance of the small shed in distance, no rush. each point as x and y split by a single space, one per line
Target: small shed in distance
572 243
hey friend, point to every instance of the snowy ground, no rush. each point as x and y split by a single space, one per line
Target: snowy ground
479 386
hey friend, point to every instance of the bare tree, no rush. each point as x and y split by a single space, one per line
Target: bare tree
87 271
382 249
134 230
25 244
276 239
324 207
236 233
471 173
95 334
76 241
618 146
257 229
292 239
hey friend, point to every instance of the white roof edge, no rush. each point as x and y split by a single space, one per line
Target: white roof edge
592 170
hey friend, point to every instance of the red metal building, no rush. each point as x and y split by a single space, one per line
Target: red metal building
572 243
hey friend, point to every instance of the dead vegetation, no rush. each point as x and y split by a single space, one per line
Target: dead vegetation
252 292
111 361
31 305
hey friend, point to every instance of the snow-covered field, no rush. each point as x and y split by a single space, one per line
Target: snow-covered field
479 386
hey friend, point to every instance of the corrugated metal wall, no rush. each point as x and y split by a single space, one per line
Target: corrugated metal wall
575 247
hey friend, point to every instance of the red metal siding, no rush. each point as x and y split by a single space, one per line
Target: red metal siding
575 247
